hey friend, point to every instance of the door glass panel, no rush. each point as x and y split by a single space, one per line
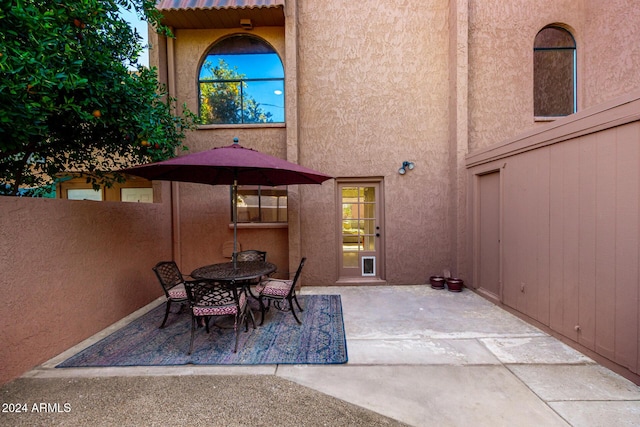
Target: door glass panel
347 210
350 259
369 226
358 224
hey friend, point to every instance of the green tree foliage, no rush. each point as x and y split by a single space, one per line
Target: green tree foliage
68 101
225 98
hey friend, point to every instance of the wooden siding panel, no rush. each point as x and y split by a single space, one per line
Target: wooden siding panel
529 288
572 215
587 242
556 235
489 212
510 235
519 243
543 235
571 239
605 245
521 248
626 283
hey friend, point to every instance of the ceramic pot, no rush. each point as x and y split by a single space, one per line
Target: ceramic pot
437 282
454 284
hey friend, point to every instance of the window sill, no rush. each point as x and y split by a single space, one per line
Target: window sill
242 126
260 225
545 119
549 118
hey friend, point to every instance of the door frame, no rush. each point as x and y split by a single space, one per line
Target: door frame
379 278
476 219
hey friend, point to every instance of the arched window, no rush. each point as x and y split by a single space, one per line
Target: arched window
241 81
554 73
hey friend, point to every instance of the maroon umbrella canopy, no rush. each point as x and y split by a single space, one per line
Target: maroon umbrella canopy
229 165
232 165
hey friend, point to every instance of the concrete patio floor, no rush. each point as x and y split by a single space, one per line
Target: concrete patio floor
417 356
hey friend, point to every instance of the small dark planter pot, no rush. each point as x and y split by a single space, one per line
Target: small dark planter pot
455 285
437 282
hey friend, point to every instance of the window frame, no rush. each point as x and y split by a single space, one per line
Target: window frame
242 123
284 193
574 71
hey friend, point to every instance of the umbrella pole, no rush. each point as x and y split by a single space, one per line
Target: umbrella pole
234 193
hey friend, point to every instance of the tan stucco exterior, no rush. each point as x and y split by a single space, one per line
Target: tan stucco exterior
363 104
501 59
369 84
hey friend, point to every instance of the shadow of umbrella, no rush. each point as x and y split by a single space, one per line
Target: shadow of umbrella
231 165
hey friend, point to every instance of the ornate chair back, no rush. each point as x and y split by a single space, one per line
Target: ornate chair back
280 291
251 255
172 283
168 274
208 299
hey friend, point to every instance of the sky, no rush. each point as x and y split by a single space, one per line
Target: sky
141 27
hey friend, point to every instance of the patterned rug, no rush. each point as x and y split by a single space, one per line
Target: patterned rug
319 340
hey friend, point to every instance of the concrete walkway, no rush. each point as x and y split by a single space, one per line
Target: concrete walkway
417 356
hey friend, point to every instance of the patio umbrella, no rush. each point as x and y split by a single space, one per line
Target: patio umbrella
231 165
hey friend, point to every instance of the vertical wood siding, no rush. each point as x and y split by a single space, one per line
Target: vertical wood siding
571 236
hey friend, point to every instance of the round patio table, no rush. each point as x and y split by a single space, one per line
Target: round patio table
225 272
240 276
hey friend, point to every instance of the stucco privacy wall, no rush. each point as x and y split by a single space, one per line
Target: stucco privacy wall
570 226
72 268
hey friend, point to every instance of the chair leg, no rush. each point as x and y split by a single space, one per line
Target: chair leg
166 313
297 303
253 320
262 310
235 328
193 329
244 318
293 311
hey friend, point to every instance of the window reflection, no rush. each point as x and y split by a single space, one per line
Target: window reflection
241 81
262 204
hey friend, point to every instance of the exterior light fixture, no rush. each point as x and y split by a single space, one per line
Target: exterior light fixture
246 24
405 165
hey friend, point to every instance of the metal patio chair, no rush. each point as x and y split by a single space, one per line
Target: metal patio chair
209 299
172 282
281 292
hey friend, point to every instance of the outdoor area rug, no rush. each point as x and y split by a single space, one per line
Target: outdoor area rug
319 340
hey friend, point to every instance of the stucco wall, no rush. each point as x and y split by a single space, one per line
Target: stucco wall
70 269
501 38
205 211
380 82
611 57
371 95
191 46
364 104
501 59
376 83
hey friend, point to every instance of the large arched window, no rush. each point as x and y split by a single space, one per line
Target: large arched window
241 81
554 73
